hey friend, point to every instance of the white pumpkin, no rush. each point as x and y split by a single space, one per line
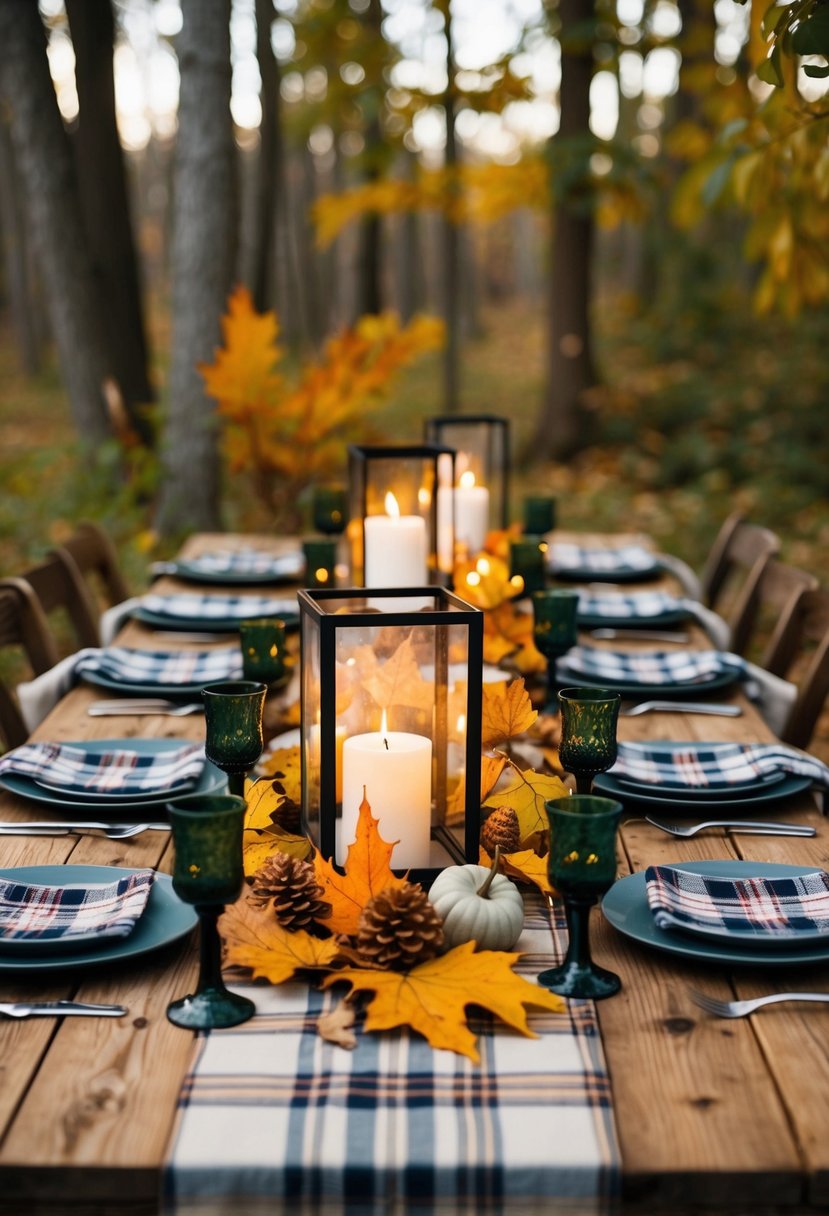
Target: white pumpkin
480 905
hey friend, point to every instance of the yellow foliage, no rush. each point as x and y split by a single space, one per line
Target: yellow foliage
506 712
256 941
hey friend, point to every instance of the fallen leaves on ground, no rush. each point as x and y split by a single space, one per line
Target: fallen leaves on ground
367 873
255 940
433 997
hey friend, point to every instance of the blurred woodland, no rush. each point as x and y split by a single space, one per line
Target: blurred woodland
237 236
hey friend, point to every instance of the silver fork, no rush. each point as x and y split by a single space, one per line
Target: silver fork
681 707
113 831
747 826
103 709
739 1009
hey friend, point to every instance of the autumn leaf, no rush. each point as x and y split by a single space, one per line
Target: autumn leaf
263 834
283 766
506 711
526 794
242 376
491 769
336 1026
433 997
398 682
526 865
255 940
367 873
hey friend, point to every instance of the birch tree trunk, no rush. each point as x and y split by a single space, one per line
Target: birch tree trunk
204 227
44 162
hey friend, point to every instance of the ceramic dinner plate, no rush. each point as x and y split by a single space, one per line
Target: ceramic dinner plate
220 624
606 783
682 793
180 692
626 907
288 568
627 574
211 781
165 919
646 691
609 620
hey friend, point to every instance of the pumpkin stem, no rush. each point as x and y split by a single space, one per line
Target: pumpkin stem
483 889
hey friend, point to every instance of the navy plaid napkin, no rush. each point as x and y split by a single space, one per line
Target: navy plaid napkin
93 769
162 667
652 667
637 606
246 563
767 907
31 912
713 765
187 606
593 559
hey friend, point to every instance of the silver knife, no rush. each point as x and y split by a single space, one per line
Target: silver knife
63 829
60 1009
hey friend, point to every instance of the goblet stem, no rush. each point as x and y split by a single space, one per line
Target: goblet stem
578 975
211 1005
552 706
584 782
236 784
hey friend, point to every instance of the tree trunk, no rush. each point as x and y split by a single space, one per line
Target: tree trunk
16 259
204 225
563 421
260 267
450 242
105 206
370 234
44 162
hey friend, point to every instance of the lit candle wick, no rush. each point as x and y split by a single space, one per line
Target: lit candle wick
386 744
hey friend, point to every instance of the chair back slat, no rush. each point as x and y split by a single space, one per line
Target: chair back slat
23 628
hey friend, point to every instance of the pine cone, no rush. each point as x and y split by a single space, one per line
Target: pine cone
291 886
501 828
398 929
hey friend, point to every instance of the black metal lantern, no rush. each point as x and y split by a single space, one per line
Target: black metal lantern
391 712
401 520
482 461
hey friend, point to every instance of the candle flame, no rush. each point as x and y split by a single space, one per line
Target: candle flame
391 505
473 579
461 724
517 582
467 479
424 496
483 567
321 575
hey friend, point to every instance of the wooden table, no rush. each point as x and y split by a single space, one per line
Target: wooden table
712 1115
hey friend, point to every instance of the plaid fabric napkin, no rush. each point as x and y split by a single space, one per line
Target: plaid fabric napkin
187 606
91 769
162 667
767 907
653 667
395 1127
245 563
637 606
30 912
627 559
713 765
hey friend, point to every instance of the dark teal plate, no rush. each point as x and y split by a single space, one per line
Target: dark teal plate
628 795
220 624
607 620
165 920
290 568
626 907
647 692
706 793
580 574
211 781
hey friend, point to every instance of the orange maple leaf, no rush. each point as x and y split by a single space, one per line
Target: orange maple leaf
255 940
367 873
506 711
242 376
432 998
491 769
397 681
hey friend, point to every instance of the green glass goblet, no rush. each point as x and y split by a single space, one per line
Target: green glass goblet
555 630
588 733
526 560
329 509
539 514
233 716
581 866
208 872
320 562
263 650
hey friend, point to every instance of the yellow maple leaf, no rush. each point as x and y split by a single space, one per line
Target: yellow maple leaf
491 769
506 711
242 375
283 768
398 682
367 873
526 794
256 941
433 997
527 865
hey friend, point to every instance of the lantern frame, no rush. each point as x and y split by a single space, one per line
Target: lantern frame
493 453
333 623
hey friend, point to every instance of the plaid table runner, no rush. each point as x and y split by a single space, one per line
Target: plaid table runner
627 559
272 1116
713 765
651 667
162 667
768 907
187 606
243 563
91 769
32 912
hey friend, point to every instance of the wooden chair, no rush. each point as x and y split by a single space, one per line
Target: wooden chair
800 653
732 575
76 580
24 631
769 614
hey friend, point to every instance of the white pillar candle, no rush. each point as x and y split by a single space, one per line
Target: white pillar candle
316 759
395 769
471 513
396 553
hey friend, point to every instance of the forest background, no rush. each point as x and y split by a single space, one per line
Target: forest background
604 219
